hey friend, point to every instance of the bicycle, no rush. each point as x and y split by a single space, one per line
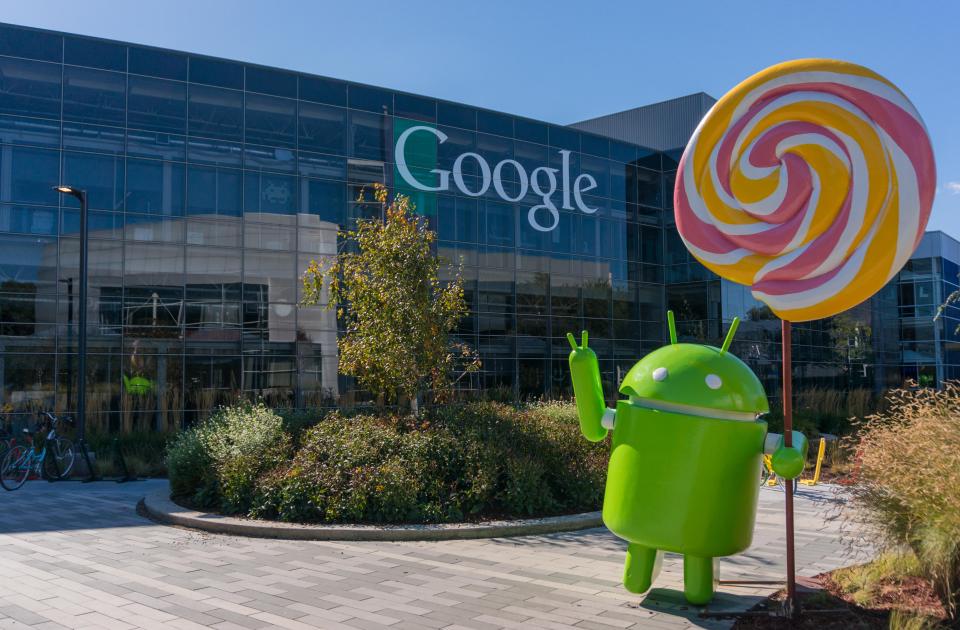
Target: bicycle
54 460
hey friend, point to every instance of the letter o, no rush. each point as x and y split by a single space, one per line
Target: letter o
498 182
484 174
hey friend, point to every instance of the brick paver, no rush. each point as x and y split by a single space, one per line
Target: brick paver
78 556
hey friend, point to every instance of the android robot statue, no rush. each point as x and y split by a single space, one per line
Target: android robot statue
688 444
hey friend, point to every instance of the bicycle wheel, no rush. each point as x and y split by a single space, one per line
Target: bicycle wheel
59 459
15 468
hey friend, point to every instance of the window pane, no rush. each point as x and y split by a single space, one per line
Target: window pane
322 90
28 264
22 42
271 120
80 51
370 99
216 112
100 175
214 152
29 88
158 145
157 104
268 81
216 72
93 138
368 133
269 277
26 175
28 220
94 95
214 191
17 130
155 187
269 193
323 128
325 199
158 63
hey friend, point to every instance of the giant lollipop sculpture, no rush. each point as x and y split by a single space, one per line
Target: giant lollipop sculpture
811 182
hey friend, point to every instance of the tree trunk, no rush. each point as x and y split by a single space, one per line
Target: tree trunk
415 405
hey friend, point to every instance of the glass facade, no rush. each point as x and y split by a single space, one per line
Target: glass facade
213 183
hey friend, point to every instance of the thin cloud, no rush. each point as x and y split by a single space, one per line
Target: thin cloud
952 187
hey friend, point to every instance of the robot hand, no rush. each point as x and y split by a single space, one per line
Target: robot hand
788 462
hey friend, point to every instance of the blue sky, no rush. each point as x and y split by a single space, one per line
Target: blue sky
560 61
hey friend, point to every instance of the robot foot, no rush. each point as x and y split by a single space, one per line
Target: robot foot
699 575
641 567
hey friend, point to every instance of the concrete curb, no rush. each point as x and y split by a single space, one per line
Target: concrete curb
160 508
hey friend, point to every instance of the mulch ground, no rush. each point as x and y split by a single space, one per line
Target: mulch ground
825 606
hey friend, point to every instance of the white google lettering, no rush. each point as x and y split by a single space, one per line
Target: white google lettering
581 183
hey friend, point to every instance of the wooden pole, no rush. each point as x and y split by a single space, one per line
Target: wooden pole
792 606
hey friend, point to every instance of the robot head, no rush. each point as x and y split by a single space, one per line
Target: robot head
696 380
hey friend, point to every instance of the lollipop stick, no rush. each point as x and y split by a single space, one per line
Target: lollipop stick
791 603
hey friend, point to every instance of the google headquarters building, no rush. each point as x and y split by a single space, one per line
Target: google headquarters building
213 183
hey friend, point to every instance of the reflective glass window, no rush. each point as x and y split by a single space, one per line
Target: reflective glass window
29 88
495 123
95 53
228 74
269 81
24 42
319 165
158 63
28 264
149 227
152 267
322 90
649 191
368 134
102 224
456 115
269 277
155 187
94 96
671 158
323 128
219 231
28 220
415 107
215 191
35 131
648 158
622 152
594 145
215 152
269 158
269 193
98 138
157 104
158 145
216 112
25 172
324 198
269 236
530 130
370 99
213 273
271 120
100 175
563 138
499 224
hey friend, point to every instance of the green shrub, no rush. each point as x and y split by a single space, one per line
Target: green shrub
217 462
143 452
453 463
909 481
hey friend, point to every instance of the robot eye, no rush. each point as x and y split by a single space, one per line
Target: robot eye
713 381
660 374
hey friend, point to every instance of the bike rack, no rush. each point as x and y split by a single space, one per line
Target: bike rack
91 471
122 463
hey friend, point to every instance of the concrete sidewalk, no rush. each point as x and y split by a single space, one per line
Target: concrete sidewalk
78 556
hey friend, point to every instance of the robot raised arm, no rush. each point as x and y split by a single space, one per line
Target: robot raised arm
595 418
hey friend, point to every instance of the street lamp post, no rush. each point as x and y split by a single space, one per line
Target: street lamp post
81 195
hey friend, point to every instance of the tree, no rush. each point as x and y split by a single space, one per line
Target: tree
397 314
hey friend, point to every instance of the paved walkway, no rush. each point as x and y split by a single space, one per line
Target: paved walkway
78 556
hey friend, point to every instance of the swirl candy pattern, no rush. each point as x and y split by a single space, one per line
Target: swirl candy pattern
811 182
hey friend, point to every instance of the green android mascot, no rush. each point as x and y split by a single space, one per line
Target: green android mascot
688 444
